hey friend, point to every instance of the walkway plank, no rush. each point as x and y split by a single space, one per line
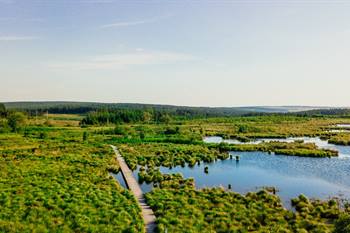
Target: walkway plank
147 213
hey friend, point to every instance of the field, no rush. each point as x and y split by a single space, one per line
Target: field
53 181
55 175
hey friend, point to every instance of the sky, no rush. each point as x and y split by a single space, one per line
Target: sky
194 53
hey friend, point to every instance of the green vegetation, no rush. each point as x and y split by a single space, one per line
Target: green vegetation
342 225
340 139
55 169
54 181
168 154
177 204
281 148
124 116
16 120
2 108
62 107
171 155
11 120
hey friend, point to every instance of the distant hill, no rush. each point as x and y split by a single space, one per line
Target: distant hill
326 112
84 107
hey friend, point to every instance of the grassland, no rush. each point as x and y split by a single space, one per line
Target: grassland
340 139
179 207
55 176
53 181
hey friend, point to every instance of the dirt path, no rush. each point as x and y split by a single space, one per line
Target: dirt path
147 213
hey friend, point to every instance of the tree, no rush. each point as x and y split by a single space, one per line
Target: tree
2 109
162 117
147 116
16 120
243 129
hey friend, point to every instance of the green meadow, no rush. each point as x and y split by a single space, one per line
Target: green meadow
56 173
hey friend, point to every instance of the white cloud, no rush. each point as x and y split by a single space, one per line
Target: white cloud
18 38
118 61
124 24
132 23
97 1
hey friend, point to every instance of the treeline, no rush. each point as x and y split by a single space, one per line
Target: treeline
118 116
326 112
61 107
34 108
38 108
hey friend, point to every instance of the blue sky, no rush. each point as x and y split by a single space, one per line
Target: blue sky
200 53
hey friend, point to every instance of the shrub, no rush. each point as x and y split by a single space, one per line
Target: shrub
16 120
342 225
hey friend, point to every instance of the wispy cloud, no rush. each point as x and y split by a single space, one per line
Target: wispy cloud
18 38
118 61
132 23
124 24
97 1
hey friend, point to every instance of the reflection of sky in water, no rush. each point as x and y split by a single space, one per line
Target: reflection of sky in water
339 130
343 125
291 175
314 177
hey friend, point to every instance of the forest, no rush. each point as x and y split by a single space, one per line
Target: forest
61 107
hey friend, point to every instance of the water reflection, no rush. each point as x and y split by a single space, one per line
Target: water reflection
291 175
314 177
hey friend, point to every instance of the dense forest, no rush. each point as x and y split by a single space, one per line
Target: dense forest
326 112
131 110
61 107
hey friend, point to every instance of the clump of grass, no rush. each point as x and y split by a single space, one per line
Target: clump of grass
58 184
178 204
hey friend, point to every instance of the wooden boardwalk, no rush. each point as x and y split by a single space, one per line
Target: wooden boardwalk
147 213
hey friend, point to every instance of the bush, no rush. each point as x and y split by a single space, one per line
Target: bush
118 130
4 126
16 120
342 225
85 136
2 109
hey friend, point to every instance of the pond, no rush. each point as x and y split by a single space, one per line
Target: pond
344 151
339 130
315 177
343 126
292 176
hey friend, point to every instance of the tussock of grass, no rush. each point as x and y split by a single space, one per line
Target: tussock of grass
59 184
179 207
